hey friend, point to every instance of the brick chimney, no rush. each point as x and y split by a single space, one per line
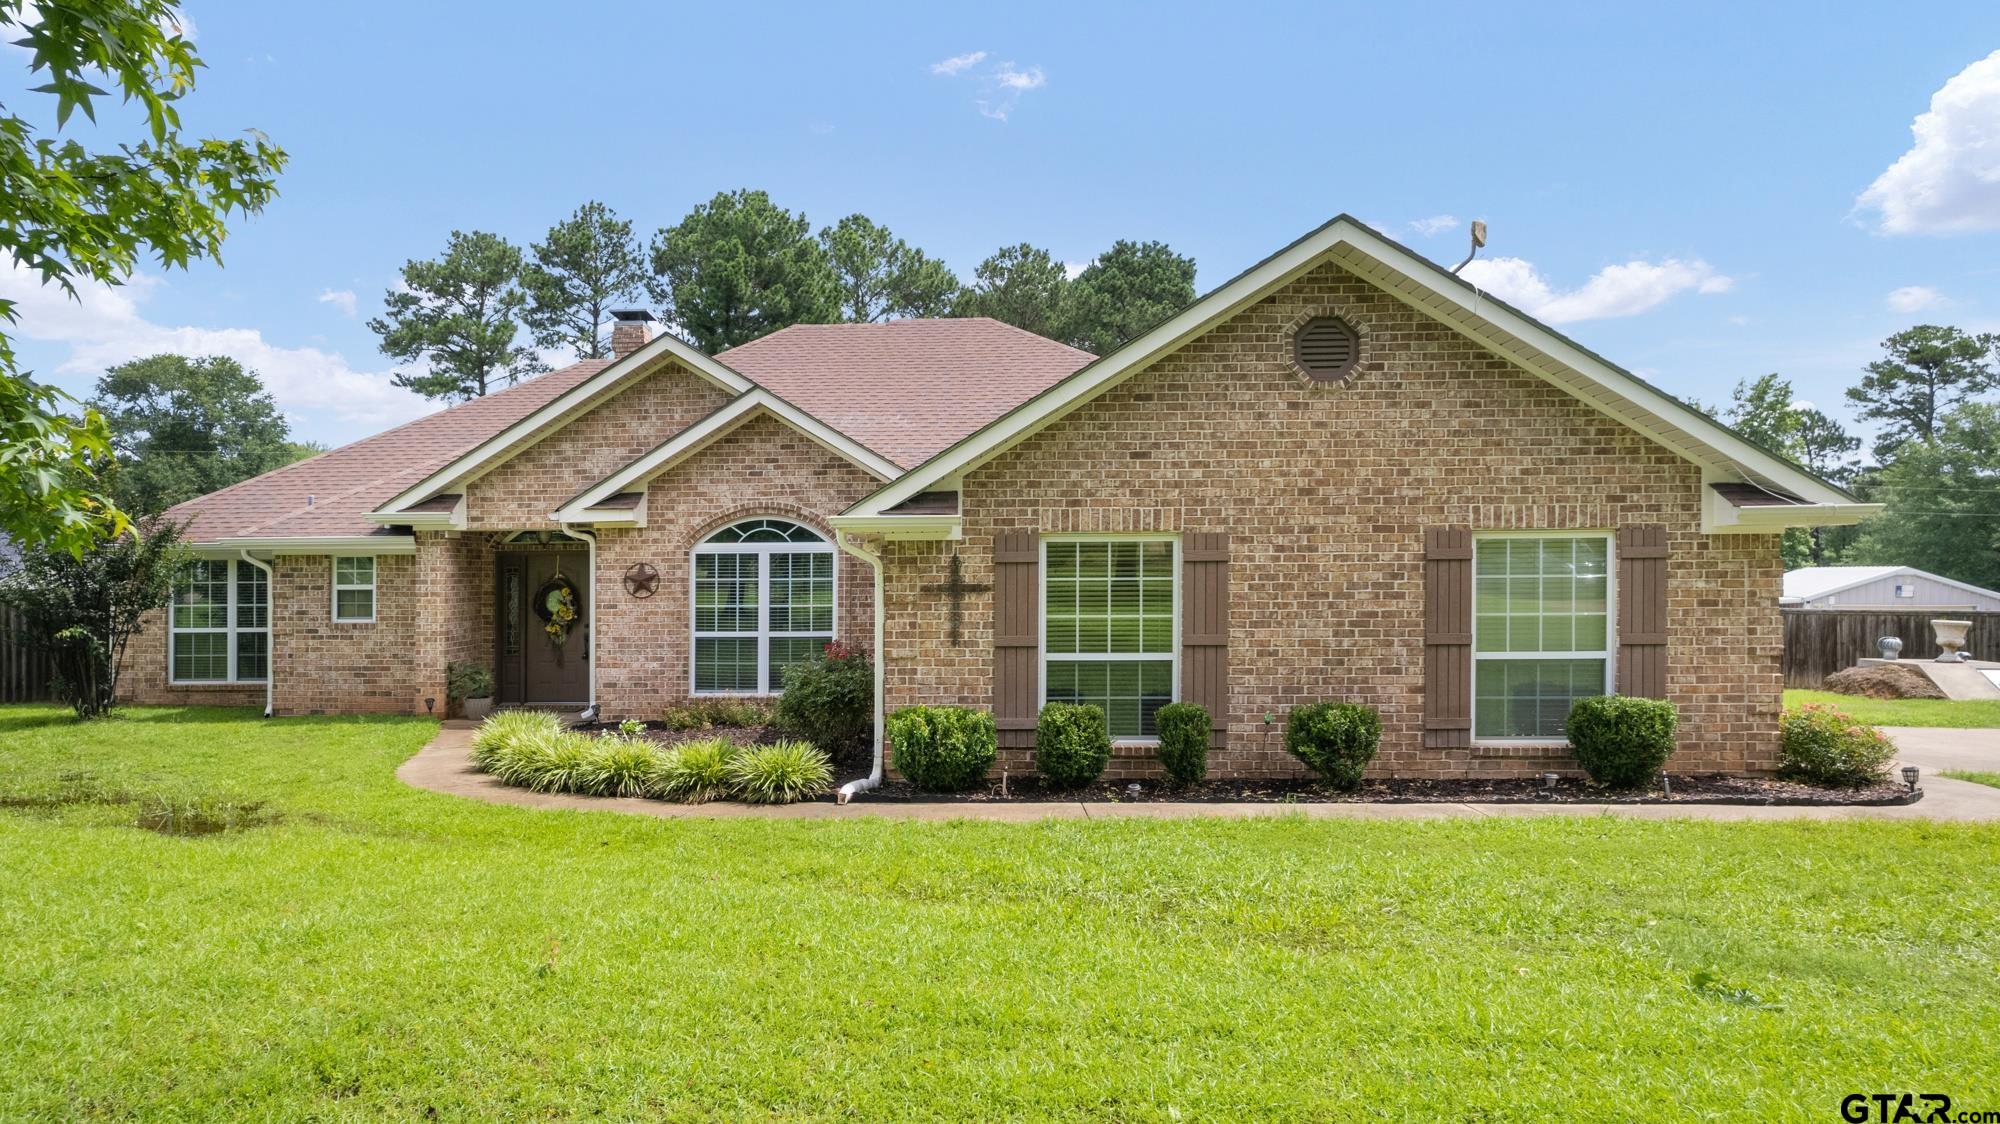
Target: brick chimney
631 329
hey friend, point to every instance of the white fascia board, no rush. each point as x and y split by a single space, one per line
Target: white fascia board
1440 289
453 520
906 527
605 517
324 544
501 445
1777 517
717 424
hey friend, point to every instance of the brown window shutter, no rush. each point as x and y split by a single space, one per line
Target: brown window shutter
1447 637
1205 629
1017 627
1642 610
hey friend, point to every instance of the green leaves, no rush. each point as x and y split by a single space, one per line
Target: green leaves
185 427
739 267
882 276
458 315
71 215
586 266
1924 372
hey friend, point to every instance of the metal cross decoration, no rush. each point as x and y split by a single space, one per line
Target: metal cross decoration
956 589
641 580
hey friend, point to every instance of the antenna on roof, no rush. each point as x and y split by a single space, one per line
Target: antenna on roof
1478 240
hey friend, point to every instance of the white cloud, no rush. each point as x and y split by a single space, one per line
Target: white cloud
1435 225
954 64
1615 290
342 299
1914 298
1074 269
1001 84
104 327
1949 180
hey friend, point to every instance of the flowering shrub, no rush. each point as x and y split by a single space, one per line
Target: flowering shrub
830 698
1821 745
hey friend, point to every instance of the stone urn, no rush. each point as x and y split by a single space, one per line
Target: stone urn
1951 640
476 710
1891 647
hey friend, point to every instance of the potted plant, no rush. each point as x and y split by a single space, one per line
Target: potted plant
470 685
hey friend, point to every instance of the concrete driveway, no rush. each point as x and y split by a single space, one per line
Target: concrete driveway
1932 748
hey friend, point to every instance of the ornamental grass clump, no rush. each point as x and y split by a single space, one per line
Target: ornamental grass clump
780 773
1072 744
621 766
1621 740
1823 746
497 733
942 748
1183 750
1335 740
696 772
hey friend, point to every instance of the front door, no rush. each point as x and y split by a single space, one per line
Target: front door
533 668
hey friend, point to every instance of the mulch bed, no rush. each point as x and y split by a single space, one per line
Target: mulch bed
1714 788
1705 789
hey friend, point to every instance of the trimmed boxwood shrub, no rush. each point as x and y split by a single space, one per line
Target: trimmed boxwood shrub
1335 740
1824 746
830 698
1072 744
1620 740
1183 750
942 748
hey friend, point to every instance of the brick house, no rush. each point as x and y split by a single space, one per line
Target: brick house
1345 474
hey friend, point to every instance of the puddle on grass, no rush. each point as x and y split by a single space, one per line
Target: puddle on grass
202 815
177 814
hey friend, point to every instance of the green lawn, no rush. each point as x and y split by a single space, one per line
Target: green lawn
1976 776
380 952
1906 712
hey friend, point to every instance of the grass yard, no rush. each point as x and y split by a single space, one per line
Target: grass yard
380 952
1976 776
1906 712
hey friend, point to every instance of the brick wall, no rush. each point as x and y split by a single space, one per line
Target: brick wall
1325 492
763 468
522 492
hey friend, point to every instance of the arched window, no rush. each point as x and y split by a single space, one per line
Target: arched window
763 599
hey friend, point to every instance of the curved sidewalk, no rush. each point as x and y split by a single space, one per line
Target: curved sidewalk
445 766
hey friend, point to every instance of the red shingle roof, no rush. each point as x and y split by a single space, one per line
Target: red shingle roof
347 483
906 388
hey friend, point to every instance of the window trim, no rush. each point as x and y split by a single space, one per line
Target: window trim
374 574
1610 654
1042 622
230 630
764 634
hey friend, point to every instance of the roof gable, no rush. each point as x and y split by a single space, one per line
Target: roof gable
1446 298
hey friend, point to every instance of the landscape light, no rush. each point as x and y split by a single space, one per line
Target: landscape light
1910 777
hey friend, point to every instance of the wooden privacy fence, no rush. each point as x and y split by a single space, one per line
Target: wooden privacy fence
24 666
1819 642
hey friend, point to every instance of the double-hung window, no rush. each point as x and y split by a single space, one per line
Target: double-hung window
219 624
354 590
763 600
1108 628
1541 632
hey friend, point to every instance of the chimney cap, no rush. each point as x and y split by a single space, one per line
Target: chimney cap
632 315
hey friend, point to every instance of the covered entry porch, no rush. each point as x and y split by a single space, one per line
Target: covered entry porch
542 624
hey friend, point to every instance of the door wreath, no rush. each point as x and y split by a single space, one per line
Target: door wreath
555 603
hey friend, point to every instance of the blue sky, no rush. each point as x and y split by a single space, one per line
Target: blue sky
1677 185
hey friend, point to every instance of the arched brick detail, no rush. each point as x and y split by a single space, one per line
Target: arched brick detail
775 509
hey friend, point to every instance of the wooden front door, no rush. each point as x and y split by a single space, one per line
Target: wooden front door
532 668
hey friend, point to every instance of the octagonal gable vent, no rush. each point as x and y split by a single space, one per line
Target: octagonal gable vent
1327 348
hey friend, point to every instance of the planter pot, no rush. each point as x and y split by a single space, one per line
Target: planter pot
1951 640
477 709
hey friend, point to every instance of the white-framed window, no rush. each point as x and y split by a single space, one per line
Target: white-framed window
1111 627
354 589
219 623
764 598
1541 631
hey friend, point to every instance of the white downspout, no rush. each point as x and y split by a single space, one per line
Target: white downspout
590 537
270 633
852 789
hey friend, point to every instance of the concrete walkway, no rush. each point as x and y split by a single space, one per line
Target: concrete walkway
445 766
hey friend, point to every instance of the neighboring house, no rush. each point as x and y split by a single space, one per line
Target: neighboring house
1884 589
1345 474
